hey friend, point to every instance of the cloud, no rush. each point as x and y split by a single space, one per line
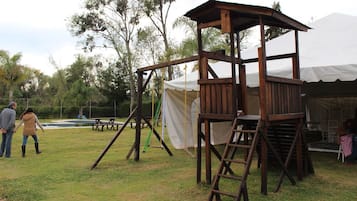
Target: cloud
38 13
38 30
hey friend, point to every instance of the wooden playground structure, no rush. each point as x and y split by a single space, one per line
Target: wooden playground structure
276 133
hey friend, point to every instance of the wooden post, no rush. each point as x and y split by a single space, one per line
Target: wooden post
234 79
263 115
138 116
199 51
299 165
264 162
199 146
208 152
243 86
296 62
199 151
226 21
262 73
242 79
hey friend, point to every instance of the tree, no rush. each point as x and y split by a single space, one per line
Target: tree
212 39
34 87
273 32
79 95
111 83
158 11
149 45
57 88
80 80
11 71
113 23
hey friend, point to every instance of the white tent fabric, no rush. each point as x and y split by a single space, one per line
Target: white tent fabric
327 53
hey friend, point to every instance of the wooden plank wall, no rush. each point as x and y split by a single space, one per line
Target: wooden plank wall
283 97
216 96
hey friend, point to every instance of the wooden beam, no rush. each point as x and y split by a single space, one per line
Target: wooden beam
210 70
208 152
226 26
275 153
199 50
199 152
148 80
264 161
216 81
209 24
296 62
243 86
217 116
169 63
263 109
268 58
270 78
287 161
204 67
282 117
234 77
138 115
299 157
114 138
220 57
262 84
158 136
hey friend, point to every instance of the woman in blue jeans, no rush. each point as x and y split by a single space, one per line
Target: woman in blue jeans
30 120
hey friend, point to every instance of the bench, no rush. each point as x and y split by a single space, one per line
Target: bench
111 124
98 125
143 124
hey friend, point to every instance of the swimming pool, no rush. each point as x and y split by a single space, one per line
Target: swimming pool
69 123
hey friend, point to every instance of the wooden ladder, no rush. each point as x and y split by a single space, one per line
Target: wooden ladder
244 136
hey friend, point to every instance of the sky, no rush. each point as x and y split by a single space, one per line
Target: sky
38 28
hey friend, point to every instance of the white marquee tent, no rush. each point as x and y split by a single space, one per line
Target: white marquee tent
328 52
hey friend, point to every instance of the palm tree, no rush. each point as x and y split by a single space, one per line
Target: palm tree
11 71
212 38
273 32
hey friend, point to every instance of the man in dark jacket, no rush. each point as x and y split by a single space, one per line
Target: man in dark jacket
7 125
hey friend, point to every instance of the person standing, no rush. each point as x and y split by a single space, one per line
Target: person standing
7 125
30 120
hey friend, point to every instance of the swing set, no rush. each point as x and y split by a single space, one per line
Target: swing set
141 86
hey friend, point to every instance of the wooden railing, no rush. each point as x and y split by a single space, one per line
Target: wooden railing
280 98
283 98
216 98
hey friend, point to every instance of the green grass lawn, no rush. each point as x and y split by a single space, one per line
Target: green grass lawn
62 172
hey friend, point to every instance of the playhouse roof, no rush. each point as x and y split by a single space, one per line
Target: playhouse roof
244 16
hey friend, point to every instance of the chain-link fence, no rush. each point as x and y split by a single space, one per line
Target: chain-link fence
63 111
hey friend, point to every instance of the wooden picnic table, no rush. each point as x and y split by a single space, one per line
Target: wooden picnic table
99 124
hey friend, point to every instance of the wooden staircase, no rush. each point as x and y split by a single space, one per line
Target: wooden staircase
237 156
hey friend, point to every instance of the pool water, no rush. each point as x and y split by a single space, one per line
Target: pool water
69 123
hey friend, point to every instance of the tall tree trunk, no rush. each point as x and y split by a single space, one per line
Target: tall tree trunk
11 94
80 112
170 70
131 77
